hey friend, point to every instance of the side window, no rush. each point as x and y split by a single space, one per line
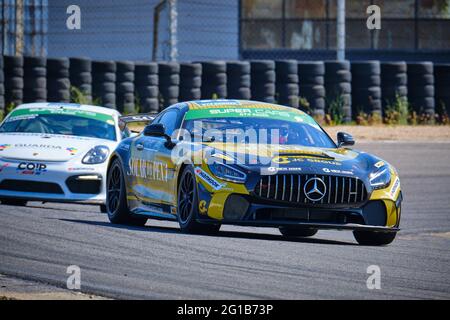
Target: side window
169 120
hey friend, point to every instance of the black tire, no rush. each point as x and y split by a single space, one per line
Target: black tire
188 205
116 201
297 232
103 208
370 238
13 202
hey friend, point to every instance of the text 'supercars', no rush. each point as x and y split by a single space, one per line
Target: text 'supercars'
213 162
57 152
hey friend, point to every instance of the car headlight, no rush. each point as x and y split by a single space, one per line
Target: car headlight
227 172
96 155
380 178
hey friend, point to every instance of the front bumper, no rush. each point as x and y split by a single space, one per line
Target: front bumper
52 181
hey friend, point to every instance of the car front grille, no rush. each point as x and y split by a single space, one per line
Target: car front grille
30 186
290 188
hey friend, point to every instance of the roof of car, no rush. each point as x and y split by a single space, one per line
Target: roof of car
56 105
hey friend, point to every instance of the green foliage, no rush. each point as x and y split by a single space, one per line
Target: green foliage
78 96
397 112
335 114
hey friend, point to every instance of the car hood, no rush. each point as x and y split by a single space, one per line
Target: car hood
271 159
46 147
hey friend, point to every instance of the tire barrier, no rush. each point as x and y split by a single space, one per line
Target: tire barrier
338 89
214 79
238 80
146 86
421 87
169 82
35 79
287 82
263 78
366 90
311 79
80 75
125 87
442 85
104 83
58 82
13 71
2 87
394 82
190 81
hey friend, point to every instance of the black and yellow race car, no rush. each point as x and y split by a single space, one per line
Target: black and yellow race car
212 162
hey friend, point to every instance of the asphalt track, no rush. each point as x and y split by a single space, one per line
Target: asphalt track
39 242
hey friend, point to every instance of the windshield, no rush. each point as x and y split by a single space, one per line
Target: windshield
258 130
61 121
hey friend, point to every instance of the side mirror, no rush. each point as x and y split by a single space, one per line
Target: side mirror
345 139
159 130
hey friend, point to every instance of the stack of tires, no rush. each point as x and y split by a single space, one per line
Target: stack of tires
13 71
80 70
2 87
421 88
338 88
125 87
104 82
238 80
190 81
287 82
311 78
146 86
58 82
442 85
263 78
366 90
394 82
214 80
169 82
35 79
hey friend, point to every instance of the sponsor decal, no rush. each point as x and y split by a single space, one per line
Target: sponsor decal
4 166
207 179
81 169
202 207
379 164
31 168
327 170
27 113
72 151
37 146
173 210
273 170
395 187
303 158
4 146
151 170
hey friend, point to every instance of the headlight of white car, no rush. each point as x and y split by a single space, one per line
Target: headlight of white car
380 178
96 155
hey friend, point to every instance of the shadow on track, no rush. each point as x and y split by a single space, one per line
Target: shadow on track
221 234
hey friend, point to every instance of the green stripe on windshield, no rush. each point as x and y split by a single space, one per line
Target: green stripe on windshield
69 112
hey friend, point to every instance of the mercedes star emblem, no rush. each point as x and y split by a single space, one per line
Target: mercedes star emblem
315 189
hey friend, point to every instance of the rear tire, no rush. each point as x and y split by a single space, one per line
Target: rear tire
116 201
14 202
297 232
370 238
187 203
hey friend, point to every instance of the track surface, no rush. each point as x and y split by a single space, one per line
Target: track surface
38 242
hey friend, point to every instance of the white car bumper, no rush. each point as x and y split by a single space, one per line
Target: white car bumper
52 181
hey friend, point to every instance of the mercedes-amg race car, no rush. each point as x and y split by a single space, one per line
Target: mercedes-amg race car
213 162
57 152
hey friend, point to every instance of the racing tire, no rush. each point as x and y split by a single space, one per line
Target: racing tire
297 232
370 238
14 202
116 201
187 204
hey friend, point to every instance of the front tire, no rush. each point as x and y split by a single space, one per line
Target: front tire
187 203
297 232
116 201
370 238
14 202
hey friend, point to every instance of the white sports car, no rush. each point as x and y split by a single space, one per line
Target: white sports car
57 152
